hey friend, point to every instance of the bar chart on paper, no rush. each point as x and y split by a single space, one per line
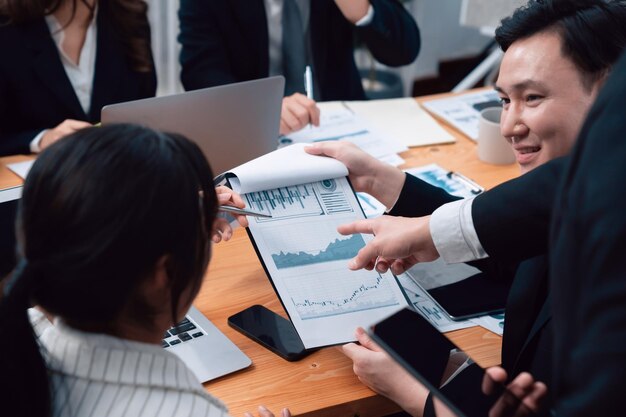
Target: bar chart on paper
315 199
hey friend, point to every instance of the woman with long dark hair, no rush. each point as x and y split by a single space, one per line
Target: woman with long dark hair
114 239
63 60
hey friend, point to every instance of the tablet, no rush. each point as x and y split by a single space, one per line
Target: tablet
424 352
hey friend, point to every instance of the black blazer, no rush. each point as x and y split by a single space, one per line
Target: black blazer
227 41
35 93
588 262
527 341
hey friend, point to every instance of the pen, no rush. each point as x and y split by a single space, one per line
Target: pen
308 82
474 188
237 210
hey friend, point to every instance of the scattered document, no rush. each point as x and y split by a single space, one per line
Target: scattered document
492 322
21 168
303 254
452 182
371 206
339 123
402 120
428 309
429 275
463 111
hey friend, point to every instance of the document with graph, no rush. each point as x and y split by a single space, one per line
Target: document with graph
306 258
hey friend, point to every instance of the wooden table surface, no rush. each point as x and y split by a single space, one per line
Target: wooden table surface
323 383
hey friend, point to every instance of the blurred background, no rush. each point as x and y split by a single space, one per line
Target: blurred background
457 48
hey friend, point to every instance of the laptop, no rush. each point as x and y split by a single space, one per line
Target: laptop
206 351
9 198
232 124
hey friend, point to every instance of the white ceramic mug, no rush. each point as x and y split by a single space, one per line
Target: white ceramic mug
493 148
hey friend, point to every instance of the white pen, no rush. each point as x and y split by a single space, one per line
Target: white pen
308 82
308 85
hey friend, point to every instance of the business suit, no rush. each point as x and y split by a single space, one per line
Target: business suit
35 92
527 341
227 41
588 262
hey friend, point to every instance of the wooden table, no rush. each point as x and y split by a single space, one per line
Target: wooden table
323 383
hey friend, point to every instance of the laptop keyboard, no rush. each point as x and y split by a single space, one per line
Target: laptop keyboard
184 331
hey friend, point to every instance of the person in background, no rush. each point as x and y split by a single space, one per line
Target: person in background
114 240
63 60
550 76
225 42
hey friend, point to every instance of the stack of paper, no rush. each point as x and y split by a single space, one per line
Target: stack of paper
403 121
339 123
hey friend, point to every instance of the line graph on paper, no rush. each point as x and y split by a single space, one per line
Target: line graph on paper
331 296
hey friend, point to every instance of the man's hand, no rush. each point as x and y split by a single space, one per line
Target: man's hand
523 397
399 243
367 174
297 111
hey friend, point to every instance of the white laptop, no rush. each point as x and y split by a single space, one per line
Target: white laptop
204 349
232 124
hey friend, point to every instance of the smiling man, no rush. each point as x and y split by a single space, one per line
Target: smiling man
557 56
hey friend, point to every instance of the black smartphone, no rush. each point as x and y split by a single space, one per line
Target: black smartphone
271 331
427 355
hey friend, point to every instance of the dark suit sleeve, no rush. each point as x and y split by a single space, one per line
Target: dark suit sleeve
203 57
512 220
418 198
11 143
392 36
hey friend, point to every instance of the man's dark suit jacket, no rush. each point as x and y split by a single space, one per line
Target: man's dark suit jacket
527 333
35 93
527 340
584 231
588 262
227 41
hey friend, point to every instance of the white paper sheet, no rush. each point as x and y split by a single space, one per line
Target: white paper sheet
452 182
463 111
492 322
339 123
402 120
424 305
285 167
21 168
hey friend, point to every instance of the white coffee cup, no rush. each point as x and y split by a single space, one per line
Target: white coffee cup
493 148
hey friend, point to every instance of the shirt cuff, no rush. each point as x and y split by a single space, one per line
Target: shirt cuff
34 144
367 19
453 232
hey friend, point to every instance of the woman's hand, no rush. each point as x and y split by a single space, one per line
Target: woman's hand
221 227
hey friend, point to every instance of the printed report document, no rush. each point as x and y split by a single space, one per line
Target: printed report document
304 256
